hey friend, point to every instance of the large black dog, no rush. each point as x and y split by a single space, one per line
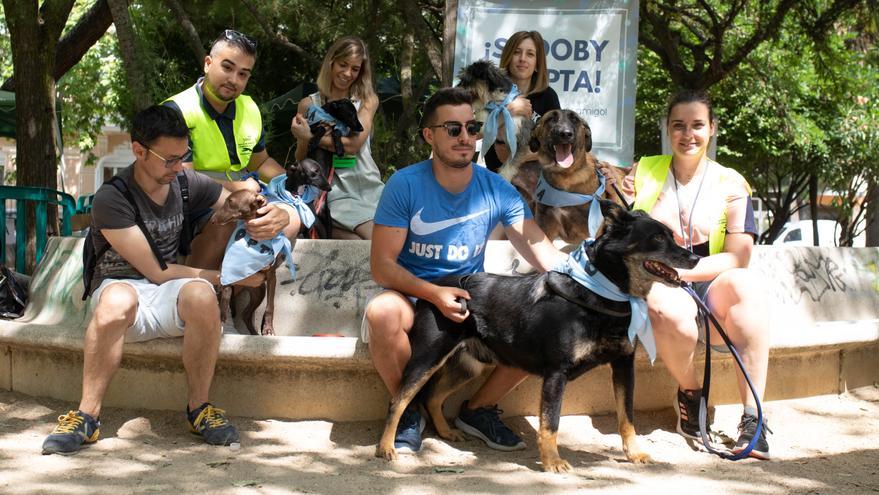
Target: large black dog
546 324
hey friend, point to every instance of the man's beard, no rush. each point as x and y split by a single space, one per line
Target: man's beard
452 161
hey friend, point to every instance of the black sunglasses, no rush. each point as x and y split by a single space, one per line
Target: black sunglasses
454 128
232 35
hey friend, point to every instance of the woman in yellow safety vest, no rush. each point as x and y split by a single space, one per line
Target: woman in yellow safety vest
708 207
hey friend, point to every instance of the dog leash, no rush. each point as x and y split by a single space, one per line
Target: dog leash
706 315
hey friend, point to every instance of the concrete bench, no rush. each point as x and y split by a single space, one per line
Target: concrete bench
825 332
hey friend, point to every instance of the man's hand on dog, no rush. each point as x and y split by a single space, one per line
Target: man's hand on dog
446 299
272 221
520 106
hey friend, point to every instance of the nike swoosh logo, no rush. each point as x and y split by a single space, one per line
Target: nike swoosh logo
420 227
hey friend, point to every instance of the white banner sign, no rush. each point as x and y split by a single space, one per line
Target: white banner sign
590 51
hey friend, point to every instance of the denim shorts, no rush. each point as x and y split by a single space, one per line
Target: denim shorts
701 289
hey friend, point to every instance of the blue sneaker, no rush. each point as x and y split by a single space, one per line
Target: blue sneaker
408 439
74 429
485 424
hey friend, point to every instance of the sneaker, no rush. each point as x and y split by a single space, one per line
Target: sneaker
747 429
687 408
409 430
485 423
211 424
74 429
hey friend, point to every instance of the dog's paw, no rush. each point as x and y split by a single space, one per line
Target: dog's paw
268 331
388 454
556 465
638 457
453 435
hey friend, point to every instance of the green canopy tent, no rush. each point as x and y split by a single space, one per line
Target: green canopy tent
7 114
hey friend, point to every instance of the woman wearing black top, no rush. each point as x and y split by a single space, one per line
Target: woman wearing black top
524 59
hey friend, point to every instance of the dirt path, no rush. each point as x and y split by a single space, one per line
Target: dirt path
827 444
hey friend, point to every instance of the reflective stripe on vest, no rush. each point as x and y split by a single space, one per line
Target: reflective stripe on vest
649 179
209 152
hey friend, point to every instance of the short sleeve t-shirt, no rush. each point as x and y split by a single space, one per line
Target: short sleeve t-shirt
447 232
111 210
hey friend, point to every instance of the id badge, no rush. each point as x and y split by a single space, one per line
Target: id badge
347 161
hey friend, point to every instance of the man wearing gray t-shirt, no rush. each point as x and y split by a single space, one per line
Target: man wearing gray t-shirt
136 299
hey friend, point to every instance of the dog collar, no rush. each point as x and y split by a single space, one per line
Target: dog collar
548 195
578 267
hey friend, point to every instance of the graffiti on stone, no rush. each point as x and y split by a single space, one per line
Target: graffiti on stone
335 280
813 275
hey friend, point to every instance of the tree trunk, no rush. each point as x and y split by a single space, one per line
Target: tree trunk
813 207
450 27
34 38
872 232
141 96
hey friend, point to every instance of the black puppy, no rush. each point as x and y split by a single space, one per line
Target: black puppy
344 112
546 324
306 172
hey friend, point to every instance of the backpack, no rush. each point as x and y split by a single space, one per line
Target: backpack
90 256
13 296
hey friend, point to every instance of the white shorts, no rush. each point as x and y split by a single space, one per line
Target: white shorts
364 325
157 315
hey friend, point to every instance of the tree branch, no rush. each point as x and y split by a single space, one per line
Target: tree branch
191 34
276 37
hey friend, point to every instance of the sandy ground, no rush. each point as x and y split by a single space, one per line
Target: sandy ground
824 444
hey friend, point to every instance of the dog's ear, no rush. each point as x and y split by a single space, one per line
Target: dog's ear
614 214
533 143
587 136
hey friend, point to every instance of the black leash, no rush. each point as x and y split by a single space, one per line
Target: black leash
706 315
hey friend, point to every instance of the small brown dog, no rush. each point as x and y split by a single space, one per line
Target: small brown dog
243 205
563 141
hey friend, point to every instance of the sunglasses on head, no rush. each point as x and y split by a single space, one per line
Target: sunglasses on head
453 129
232 35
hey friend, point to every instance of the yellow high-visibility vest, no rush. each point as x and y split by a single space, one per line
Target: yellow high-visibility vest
649 179
209 152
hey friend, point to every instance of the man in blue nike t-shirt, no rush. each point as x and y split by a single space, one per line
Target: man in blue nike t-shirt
434 219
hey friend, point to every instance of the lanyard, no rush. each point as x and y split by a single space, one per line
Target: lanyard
688 242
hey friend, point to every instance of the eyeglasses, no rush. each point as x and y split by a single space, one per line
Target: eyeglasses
232 35
169 162
454 128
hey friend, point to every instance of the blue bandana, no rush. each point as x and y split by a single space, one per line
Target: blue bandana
245 256
550 196
578 267
315 115
489 131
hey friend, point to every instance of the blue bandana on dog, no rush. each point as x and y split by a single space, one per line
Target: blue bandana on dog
489 132
578 267
548 195
245 256
315 115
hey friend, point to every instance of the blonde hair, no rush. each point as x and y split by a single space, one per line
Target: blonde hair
344 49
539 80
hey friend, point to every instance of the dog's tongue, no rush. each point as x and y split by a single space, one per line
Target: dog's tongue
563 156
